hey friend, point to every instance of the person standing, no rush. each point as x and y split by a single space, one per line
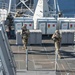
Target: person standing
10 23
25 35
57 40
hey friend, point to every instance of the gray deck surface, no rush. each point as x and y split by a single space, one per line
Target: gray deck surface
37 73
41 59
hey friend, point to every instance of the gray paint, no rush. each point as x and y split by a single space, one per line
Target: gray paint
35 37
45 29
18 38
67 36
5 57
5 53
64 22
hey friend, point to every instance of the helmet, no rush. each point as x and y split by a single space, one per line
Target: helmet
24 27
57 31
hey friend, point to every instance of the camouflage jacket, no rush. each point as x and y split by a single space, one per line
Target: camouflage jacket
25 33
56 37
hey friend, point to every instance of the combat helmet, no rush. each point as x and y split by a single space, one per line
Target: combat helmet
24 27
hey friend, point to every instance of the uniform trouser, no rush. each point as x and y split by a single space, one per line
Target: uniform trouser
25 43
57 47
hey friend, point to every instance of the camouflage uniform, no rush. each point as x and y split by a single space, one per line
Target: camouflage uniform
57 40
18 14
25 35
10 22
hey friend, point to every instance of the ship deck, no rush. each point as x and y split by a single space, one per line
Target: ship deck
41 58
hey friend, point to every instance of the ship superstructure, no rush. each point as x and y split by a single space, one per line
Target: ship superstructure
42 18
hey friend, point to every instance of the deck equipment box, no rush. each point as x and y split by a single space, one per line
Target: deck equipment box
35 37
67 36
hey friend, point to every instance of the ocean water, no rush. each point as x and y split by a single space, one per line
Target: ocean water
67 7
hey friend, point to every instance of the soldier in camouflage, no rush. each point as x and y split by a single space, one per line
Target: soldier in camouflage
57 40
25 35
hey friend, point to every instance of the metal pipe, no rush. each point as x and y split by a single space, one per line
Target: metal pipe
56 58
55 2
27 6
9 6
58 7
18 4
26 59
